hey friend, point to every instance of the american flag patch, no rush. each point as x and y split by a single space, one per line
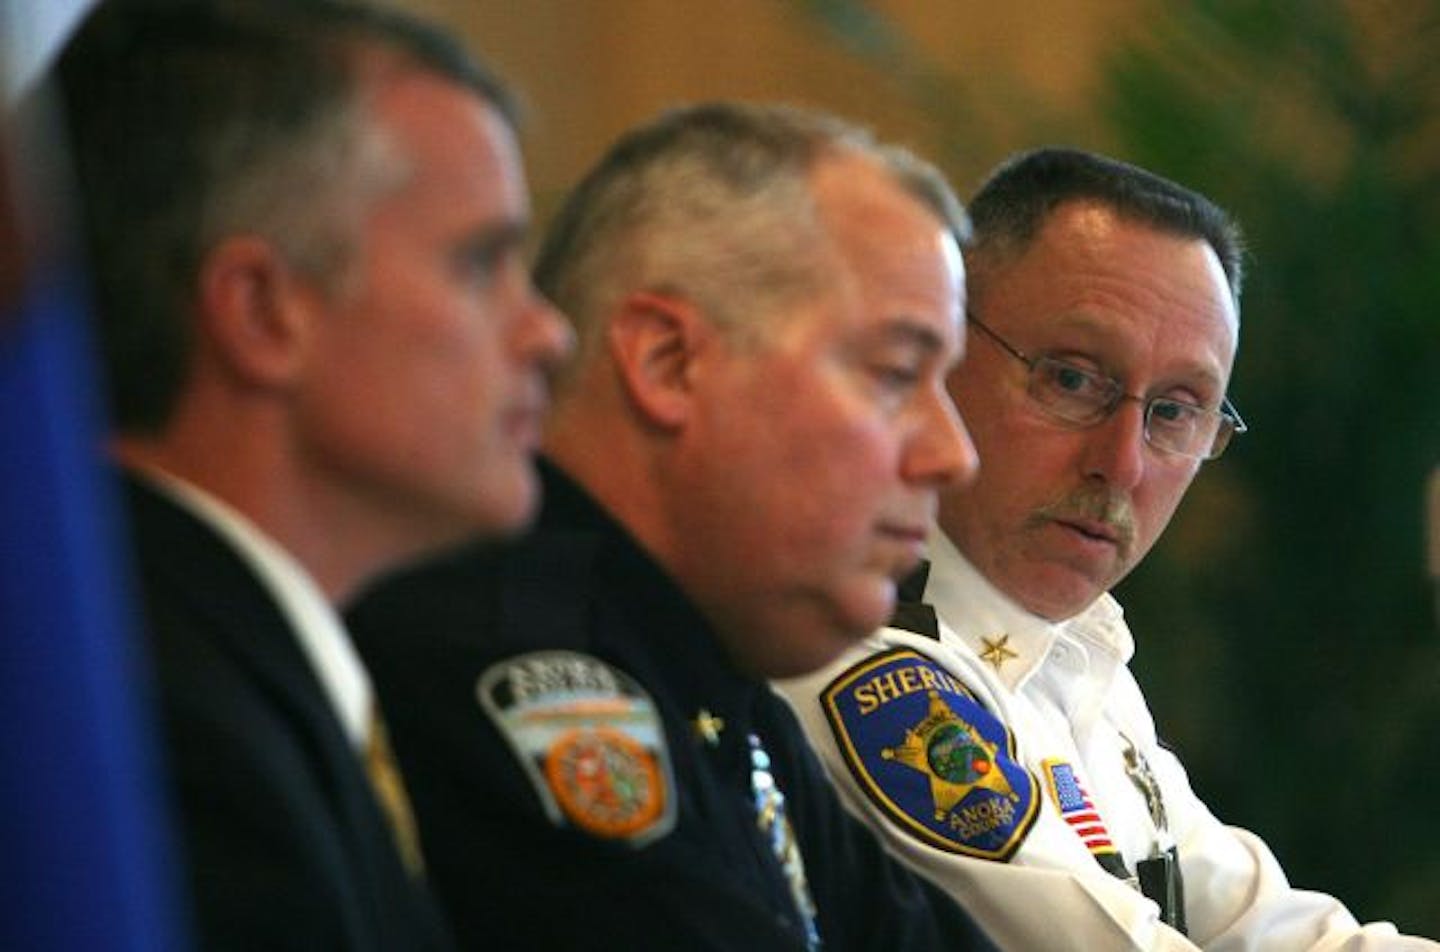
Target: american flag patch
1076 808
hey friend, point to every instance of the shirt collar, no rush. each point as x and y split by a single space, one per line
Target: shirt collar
1014 641
315 622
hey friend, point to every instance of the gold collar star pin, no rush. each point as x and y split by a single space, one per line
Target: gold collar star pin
708 727
997 651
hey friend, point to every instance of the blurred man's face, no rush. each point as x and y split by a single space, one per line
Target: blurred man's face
425 401
818 454
1060 513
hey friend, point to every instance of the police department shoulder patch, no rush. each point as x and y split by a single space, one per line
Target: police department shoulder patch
930 756
589 738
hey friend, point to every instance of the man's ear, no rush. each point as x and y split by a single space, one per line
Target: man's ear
255 313
654 340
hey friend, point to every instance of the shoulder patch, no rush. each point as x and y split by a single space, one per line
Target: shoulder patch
930 756
589 738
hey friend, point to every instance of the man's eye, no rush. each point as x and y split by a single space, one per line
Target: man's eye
898 376
481 264
1172 413
1068 378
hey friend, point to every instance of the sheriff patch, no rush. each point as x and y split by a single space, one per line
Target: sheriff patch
589 738
937 763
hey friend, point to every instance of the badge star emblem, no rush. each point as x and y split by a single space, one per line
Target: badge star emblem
708 726
997 651
953 755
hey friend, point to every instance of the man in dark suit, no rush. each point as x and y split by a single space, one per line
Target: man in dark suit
744 458
325 358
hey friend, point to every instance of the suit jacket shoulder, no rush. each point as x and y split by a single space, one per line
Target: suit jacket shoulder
285 845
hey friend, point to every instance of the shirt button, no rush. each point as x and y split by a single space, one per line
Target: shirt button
1065 657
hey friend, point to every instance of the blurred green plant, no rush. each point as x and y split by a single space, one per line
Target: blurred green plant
1285 627
1318 124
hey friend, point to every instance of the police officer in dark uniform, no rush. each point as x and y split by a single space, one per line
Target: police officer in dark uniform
740 466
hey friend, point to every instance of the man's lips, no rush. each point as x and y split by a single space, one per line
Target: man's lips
909 539
1093 529
526 411
525 423
905 533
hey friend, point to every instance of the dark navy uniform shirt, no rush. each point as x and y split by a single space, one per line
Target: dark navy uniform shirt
621 817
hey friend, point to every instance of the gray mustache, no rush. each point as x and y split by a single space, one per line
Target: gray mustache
1094 505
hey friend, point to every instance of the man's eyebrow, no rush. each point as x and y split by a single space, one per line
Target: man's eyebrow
494 238
1098 332
905 329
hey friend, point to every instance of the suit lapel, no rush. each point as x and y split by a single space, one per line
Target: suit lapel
238 614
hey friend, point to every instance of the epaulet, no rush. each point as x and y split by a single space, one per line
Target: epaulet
546 586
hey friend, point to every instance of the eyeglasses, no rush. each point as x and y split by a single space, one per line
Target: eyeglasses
1073 394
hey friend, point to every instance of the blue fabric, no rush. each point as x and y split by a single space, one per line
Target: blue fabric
84 852
929 755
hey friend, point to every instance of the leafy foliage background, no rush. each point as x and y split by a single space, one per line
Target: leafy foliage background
1287 632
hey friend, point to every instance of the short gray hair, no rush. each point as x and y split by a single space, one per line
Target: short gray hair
713 202
191 121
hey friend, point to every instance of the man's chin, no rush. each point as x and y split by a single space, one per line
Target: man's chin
814 654
1059 600
808 640
506 507
869 607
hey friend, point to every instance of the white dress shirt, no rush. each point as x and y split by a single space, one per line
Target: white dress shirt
1073 716
315 622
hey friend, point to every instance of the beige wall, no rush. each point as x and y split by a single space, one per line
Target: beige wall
591 68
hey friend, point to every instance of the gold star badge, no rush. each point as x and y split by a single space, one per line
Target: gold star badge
708 726
953 754
997 651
